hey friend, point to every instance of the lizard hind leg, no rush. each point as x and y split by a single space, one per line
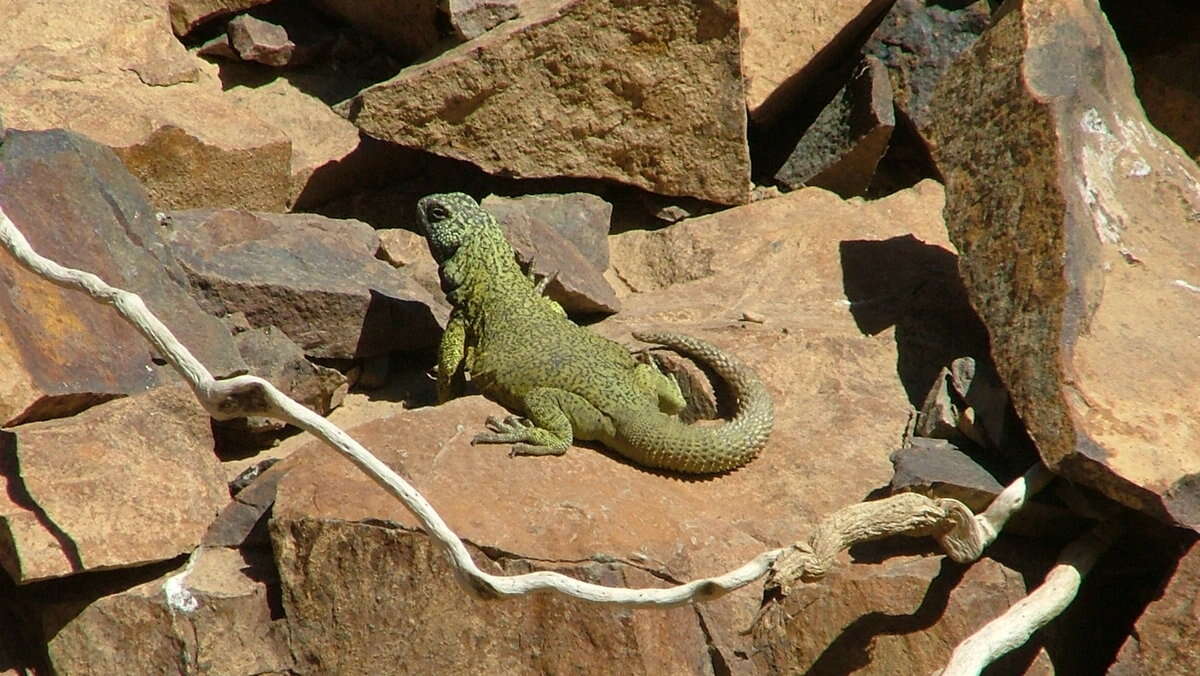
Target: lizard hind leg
649 378
553 417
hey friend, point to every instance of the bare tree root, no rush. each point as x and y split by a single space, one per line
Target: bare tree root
962 534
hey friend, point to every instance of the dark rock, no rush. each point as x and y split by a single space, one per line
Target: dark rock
841 148
77 205
1166 638
563 237
122 484
315 278
1075 222
241 521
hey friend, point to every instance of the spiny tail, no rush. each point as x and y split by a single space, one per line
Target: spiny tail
668 443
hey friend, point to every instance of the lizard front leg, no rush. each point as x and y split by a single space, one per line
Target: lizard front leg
451 352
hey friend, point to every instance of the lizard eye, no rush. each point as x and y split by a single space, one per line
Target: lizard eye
436 212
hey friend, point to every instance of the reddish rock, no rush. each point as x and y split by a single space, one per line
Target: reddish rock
787 44
565 237
1075 221
583 88
903 615
214 617
256 40
588 505
840 149
1166 638
125 483
187 14
315 278
77 205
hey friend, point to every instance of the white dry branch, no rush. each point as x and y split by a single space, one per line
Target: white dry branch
962 534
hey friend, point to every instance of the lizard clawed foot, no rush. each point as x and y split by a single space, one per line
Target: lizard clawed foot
510 430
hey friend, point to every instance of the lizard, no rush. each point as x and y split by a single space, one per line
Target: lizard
522 351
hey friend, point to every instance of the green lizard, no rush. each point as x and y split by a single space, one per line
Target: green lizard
522 351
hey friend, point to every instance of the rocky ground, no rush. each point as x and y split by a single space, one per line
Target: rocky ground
955 239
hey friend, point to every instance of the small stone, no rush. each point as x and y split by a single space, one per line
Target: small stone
261 41
472 18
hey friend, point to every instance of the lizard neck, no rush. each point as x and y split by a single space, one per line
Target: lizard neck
483 276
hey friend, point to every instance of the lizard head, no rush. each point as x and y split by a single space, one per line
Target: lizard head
449 219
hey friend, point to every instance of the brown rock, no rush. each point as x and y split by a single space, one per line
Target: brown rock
241 521
662 87
472 18
315 278
840 149
825 375
214 617
403 582
77 205
261 41
1166 638
408 27
1074 217
901 616
125 483
187 14
112 70
786 44
563 237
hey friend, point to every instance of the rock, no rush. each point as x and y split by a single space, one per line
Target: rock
241 521
315 278
212 616
1166 636
218 48
563 237
785 45
403 581
1157 38
271 355
187 14
122 484
78 206
1074 218
824 373
840 149
472 18
903 615
261 41
917 42
662 87
408 250
409 28
113 71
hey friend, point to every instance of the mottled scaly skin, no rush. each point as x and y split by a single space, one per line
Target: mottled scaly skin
569 383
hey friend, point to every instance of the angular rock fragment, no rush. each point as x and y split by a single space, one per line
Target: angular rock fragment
583 88
472 18
256 40
315 278
840 149
122 484
1075 219
214 615
563 237
187 14
77 205
786 44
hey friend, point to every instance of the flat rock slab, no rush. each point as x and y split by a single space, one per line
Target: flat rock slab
564 237
1076 223
315 278
62 351
649 96
826 376
213 616
125 483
